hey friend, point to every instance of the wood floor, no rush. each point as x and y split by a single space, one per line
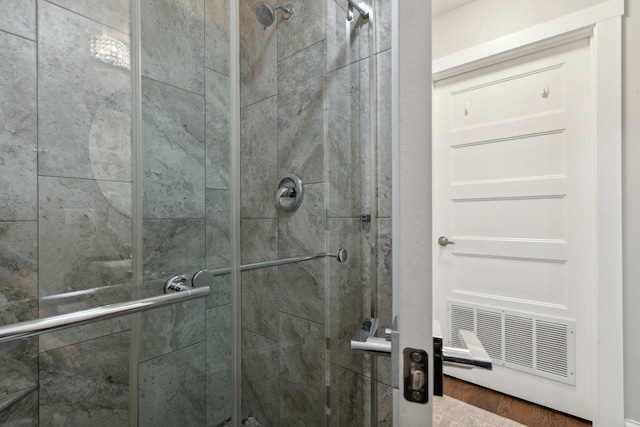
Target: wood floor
518 410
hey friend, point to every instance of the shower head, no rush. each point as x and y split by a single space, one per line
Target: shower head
266 13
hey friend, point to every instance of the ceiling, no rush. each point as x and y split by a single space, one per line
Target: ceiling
440 7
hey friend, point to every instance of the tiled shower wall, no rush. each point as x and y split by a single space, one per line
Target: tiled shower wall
65 208
305 109
185 352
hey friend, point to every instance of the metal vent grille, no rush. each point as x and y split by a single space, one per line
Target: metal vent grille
489 332
540 345
551 353
461 318
518 338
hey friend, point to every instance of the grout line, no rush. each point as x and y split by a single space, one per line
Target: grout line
19 36
174 86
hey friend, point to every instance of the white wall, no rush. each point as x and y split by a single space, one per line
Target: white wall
485 20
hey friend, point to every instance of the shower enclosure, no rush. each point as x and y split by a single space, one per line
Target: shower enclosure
143 139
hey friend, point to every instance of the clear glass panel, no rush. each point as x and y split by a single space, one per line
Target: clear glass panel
308 97
65 208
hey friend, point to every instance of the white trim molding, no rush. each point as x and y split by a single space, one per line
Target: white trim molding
603 24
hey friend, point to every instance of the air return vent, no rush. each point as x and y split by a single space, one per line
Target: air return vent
539 345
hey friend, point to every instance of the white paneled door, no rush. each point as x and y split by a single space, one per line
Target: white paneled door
514 193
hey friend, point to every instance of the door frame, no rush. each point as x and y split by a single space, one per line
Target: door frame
603 25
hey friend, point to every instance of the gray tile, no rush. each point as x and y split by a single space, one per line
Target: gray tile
217 45
258 159
84 110
306 27
302 380
114 13
301 87
173 152
347 295
21 413
87 383
384 134
385 405
18 133
218 359
167 329
366 177
259 240
170 247
303 231
18 303
218 243
18 365
173 42
19 17
258 57
346 44
218 106
302 289
349 398
260 378
383 25
172 389
344 116
84 243
260 301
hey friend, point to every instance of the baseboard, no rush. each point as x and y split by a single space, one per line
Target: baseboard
631 423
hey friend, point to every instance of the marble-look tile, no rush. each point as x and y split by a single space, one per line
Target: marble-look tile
346 42
22 412
18 303
306 27
170 247
384 394
347 292
302 380
171 389
18 133
258 57
216 29
260 378
259 240
344 142
349 398
383 25
218 104
218 360
260 301
218 244
303 231
18 17
18 365
173 42
258 159
84 243
301 88
171 328
84 103
114 13
302 289
384 133
87 383
366 175
173 152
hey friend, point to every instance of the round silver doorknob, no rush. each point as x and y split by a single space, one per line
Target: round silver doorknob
443 241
